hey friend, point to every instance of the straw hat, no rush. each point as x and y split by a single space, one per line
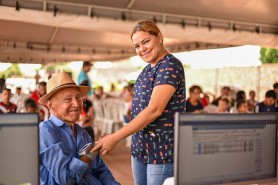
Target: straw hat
58 82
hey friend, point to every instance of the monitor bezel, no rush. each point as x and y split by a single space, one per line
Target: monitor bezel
18 120
179 116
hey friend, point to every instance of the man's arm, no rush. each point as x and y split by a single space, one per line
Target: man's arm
64 168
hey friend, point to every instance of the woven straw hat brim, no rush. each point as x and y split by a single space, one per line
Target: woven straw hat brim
83 90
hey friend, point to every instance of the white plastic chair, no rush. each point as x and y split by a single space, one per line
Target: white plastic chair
98 115
20 103
114 114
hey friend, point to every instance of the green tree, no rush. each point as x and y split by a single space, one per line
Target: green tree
13 71
57 67
269 55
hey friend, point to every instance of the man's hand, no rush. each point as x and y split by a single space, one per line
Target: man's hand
105 144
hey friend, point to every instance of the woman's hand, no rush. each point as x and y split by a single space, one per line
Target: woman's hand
105 144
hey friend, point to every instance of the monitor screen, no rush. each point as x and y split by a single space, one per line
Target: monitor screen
225 149
19 149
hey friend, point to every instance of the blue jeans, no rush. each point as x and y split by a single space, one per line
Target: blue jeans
150 174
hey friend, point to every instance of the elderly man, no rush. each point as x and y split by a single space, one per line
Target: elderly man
61 138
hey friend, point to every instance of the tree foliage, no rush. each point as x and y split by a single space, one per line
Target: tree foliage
269 55
13 71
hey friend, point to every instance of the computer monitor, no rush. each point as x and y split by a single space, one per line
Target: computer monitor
19 149
225 149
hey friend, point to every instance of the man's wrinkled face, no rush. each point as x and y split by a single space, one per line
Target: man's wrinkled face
66 104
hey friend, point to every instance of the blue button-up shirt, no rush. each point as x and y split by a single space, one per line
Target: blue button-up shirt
60 162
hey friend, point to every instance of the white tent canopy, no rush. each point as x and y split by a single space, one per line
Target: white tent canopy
37 31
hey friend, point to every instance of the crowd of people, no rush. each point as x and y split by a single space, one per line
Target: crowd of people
200 102
24 103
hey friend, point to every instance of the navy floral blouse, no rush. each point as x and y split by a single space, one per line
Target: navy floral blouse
154 143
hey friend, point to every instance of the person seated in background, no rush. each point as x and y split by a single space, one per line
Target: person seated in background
252 102
193 103
250 107
242 106
240 95
84 122
30 106
100 94
113 93
87 113
205 98
17 95
18 99
61 138
275 88
268 104
36 95
40 91
225 92
128 103
6 103
223 105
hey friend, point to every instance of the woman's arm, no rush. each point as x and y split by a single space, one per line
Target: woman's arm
64 168
159 99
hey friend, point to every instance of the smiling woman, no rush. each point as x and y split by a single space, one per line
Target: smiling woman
159 92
